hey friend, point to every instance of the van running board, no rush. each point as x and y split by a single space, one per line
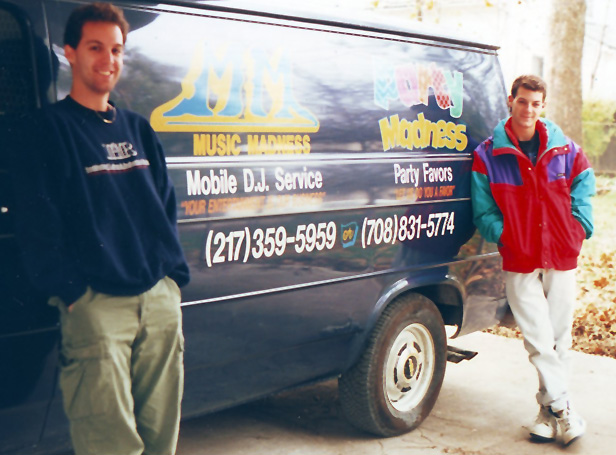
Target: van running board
456 355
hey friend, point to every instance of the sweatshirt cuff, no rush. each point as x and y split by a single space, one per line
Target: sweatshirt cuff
181 275
71 294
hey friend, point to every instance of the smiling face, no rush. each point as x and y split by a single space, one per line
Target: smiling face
96 63
526 108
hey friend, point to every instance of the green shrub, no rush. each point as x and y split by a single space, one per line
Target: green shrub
598 125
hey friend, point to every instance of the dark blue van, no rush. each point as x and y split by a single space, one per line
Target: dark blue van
322 170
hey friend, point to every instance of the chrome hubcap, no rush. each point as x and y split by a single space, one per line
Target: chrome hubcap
409 368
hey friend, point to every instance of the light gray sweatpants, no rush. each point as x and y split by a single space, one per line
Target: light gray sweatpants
542 303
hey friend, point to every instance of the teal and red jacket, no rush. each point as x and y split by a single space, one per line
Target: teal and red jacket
538 215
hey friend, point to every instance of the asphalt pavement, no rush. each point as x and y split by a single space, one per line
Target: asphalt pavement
482 409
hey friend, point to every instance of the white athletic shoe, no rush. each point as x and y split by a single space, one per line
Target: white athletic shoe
571 425
545 428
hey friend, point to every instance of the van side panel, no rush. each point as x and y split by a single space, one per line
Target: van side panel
313 167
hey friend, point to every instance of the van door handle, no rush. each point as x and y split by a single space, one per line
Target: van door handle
4 210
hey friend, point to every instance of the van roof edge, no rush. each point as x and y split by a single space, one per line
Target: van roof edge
355 20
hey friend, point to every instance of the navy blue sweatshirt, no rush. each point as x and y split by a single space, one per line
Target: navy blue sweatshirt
94 204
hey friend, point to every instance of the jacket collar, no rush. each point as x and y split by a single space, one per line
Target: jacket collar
550 137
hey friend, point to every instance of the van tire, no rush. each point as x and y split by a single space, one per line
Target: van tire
409 335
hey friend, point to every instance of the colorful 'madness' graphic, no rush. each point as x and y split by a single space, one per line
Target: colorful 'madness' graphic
411 84
228 91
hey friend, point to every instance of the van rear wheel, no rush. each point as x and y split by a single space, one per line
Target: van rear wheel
395 384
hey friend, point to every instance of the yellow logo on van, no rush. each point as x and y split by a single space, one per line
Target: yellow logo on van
229 90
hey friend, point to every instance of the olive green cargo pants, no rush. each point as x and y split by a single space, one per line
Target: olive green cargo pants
122 373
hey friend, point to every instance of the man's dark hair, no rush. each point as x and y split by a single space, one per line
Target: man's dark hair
95 12
529 82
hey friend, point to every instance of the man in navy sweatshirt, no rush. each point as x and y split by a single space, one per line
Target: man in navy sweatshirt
96 223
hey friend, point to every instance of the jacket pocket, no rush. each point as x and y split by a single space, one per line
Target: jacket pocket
571 243
518 242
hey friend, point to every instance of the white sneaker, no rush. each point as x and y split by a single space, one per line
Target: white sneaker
544 429
571 425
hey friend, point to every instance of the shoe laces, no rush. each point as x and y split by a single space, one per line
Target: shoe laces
567 424
567 420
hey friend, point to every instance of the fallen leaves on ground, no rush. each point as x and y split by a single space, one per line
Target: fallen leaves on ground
594 326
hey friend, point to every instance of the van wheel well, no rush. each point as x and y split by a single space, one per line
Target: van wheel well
447 299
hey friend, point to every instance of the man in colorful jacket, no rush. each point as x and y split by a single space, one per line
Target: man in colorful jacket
531 189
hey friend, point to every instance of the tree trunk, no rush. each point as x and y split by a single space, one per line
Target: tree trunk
564 101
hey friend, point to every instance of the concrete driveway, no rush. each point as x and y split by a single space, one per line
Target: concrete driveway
481 410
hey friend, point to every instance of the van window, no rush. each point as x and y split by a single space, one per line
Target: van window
17 93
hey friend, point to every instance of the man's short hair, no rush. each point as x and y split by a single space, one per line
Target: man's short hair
529 82
95 12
